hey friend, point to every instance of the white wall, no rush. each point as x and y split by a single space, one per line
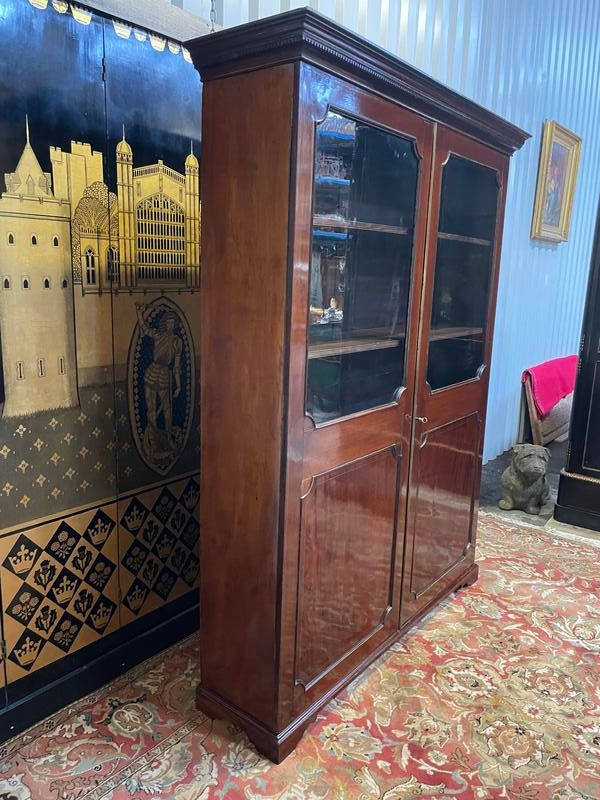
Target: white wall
527 60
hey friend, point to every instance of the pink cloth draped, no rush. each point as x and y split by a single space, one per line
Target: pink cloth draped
551 381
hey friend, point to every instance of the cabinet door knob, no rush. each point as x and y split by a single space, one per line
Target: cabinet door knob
421 419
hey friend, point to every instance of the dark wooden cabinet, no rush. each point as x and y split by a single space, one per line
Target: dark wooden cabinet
352 218
579 485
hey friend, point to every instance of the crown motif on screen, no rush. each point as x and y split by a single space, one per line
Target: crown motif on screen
134 519
163 548
23 560
99 531
136 598
28 652
64 591
191 497
101 616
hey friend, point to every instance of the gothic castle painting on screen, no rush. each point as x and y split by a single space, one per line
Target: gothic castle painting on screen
99 315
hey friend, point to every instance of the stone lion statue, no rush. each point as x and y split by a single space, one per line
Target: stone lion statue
524 484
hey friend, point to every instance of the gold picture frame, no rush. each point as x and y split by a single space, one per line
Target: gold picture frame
557 174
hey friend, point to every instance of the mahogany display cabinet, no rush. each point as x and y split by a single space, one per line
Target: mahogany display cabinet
352 217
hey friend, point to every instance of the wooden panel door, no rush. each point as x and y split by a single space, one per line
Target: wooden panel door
455 340
337 609
365 166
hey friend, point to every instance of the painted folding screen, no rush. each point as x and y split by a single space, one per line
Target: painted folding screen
99 319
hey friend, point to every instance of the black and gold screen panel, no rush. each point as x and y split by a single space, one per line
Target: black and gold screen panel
99 374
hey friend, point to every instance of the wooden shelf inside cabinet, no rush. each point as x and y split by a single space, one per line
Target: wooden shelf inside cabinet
362 345
323 221
337 137
325 349
326 180
456 237
453 333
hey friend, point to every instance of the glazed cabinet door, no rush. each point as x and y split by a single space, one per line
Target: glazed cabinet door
363 177
453 370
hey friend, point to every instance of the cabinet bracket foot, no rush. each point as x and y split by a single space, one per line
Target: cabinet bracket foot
469 578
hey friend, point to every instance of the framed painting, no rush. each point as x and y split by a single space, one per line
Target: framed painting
557 174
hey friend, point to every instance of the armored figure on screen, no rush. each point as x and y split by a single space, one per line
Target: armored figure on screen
162 385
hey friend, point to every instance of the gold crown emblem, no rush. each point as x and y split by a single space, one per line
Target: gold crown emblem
23 560
191 497
99 531
136 598
64 591
101 616
134 519
163 548
28 652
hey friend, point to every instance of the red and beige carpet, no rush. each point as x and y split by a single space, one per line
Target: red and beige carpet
495 695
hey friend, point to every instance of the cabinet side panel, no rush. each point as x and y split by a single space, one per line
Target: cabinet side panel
245 200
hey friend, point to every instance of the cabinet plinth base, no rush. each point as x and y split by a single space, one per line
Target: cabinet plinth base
468 578
578 501
275 747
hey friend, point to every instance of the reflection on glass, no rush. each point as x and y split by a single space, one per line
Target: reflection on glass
461 289
364 206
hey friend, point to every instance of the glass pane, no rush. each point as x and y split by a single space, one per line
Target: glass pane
364 208
463 265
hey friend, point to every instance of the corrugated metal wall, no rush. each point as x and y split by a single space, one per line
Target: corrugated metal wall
527 60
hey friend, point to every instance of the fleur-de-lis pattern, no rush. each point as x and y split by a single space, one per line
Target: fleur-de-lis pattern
69 444
70 462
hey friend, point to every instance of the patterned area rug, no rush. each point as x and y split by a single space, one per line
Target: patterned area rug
495 695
